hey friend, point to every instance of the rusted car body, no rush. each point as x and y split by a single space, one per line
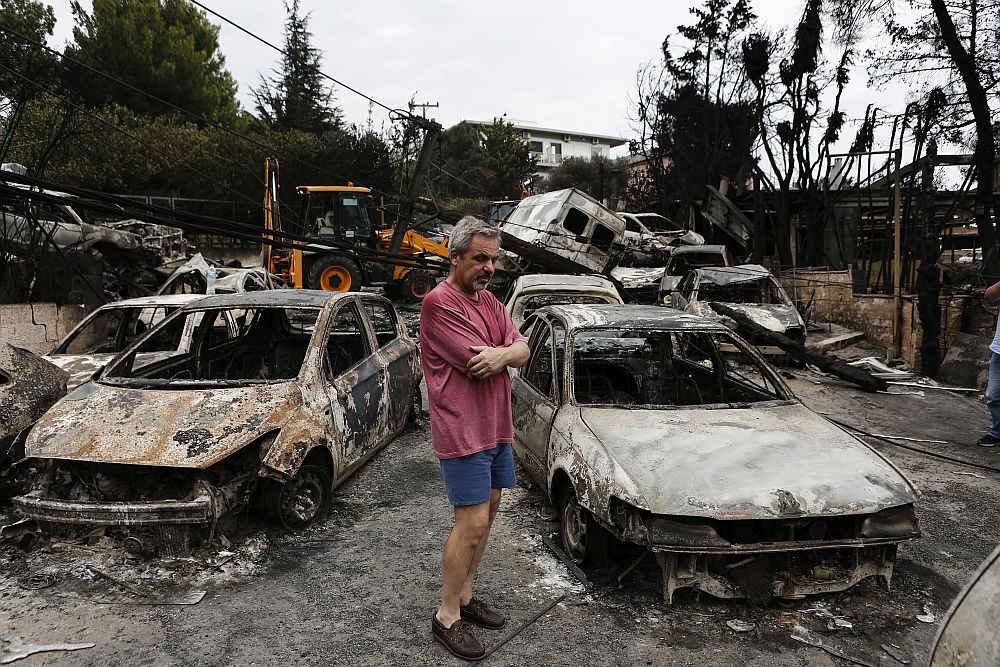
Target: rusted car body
748 288
537 290
310 386
967 636
668 431
108 330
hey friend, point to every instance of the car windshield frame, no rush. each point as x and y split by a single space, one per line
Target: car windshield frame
569 380
105 377
773 285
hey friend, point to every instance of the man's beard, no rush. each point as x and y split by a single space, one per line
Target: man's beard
479 283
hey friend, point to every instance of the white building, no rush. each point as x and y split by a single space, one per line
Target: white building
551 146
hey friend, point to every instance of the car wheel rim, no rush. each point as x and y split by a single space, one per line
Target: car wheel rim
302 498
574 529
336 279
420 288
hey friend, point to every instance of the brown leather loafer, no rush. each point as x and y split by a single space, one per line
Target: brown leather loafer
458 639
479 613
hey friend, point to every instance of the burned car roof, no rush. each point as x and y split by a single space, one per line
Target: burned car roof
564 280
155 300
582 316
295 298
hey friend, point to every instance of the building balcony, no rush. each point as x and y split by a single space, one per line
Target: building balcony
547 159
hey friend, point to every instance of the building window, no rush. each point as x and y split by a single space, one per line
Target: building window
596 151
555 153
536 146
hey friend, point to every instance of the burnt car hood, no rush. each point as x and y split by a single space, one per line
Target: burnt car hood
771 316
764 462
185 428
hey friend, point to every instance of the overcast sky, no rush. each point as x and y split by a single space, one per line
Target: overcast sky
565 65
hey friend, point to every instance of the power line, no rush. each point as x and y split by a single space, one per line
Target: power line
285 53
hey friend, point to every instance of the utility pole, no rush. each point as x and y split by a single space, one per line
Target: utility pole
423 107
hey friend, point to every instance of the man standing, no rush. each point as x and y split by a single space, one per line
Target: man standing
467 342
992 437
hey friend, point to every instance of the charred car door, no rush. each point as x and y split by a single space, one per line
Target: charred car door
536 397
395 356
354 386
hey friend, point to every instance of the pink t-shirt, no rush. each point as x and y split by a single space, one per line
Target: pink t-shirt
468 415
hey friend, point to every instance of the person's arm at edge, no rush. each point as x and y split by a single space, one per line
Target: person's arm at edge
992 295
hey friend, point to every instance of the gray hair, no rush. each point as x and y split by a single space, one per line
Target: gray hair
468 227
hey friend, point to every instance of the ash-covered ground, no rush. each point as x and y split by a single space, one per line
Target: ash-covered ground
360 587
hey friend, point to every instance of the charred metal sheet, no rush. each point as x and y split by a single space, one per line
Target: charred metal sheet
29 385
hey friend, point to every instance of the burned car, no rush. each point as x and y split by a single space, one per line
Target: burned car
538 290
686 258
668 431
192 278
274 416
750 289
108 330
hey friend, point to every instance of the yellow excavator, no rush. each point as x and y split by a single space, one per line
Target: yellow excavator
352 252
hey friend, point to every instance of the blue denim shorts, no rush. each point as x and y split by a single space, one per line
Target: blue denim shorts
470 479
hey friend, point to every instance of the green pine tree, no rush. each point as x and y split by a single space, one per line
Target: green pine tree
297 97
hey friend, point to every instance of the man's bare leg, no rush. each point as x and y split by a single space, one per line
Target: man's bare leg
478 555
472 522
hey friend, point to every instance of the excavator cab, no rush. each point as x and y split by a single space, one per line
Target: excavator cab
337 212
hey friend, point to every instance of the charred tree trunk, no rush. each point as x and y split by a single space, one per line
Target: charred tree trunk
985 153
928 276
783 228
800 352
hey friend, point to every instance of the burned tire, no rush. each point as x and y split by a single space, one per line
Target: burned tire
334 273
417 284
583 539
298 502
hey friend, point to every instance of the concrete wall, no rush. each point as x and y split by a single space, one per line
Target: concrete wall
833 300
37 326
